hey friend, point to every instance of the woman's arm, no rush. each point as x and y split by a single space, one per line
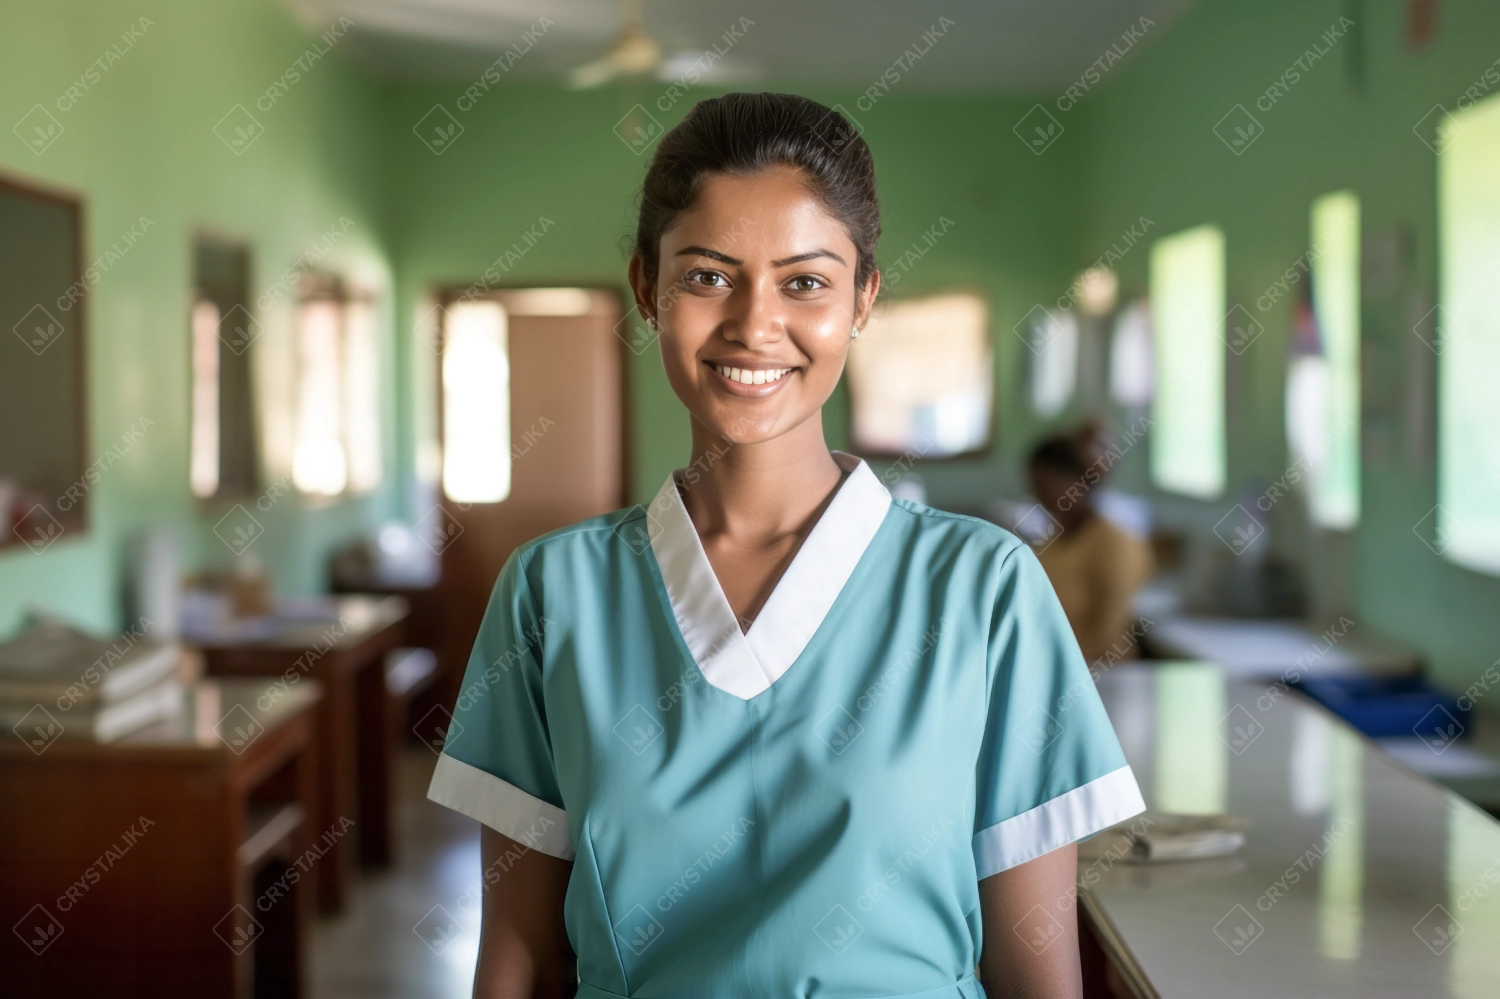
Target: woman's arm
1032 954
523 948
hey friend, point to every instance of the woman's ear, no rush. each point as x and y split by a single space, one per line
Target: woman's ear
643 288
864 300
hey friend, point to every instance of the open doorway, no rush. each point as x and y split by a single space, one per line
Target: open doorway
531 403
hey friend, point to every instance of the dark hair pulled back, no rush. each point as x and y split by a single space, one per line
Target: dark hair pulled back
747 133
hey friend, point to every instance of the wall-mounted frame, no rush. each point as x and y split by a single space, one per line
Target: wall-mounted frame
45 478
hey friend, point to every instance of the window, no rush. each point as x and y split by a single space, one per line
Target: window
337 446
1323 377
921 377
1187 314
476 403
1468 340
1054 360
222 460
1130 356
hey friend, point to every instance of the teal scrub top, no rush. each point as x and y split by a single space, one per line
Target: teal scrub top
804 809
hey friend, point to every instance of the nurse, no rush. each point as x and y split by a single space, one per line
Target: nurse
775 734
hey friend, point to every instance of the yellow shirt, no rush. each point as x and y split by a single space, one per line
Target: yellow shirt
1096 570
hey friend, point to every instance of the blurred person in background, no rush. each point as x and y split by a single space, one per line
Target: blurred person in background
1095 567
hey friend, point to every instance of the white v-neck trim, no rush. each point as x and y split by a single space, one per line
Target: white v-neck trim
747 664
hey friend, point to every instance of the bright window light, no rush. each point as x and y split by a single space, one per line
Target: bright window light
1468 340
203 446
920 377
476 403
1333 459
1187 314
1054 361
362 395
319 463
1130 356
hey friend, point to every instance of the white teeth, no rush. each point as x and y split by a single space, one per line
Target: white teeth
746 376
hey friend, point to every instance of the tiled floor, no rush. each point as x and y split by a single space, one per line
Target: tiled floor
413 931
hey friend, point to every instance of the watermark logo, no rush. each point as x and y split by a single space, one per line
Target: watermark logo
638 729
38 729
639 929
239 529
639 129
238 329
838 929
38 329
1241 329
438 130
437 929
38 529
838 729
38 929
1239 529
1038 730
838 129
438 529
635 331
1432 530
238 129
1239 729
1438 929
1438 729
1435 329
38 129
1437 128
238 729
1038 528
238 929
1238 929
1238 129
1038 129
436 726
1039 928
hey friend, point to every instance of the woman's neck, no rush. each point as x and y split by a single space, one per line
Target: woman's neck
759 493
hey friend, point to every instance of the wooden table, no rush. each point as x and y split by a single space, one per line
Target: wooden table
142 867
1358 878
341 643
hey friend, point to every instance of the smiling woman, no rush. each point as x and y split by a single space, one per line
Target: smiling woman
777 734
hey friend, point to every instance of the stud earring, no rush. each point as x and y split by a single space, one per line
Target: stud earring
651 321
854 334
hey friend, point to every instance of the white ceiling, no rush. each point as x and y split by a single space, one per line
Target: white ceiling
994 46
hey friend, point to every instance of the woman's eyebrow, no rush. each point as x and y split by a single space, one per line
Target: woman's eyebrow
701 251
808 256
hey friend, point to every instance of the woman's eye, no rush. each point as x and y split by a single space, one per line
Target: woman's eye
708 279
805 282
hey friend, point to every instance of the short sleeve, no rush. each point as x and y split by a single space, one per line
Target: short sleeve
1050 770
497 765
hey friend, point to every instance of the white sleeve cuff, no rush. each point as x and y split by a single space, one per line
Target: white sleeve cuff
1065 819
503 807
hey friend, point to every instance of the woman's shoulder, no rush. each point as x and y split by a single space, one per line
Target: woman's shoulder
596 535
944 530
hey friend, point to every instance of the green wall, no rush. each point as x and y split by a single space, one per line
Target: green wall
1346 123
140 142
528 153
340 145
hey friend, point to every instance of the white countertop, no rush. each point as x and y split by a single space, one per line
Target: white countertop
1255 648
1383 860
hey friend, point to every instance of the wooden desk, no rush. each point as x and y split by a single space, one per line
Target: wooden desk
126 869
1358 878
344 650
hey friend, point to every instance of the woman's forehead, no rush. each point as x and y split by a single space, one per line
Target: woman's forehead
772 213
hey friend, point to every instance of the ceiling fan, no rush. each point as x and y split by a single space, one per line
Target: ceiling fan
632 53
